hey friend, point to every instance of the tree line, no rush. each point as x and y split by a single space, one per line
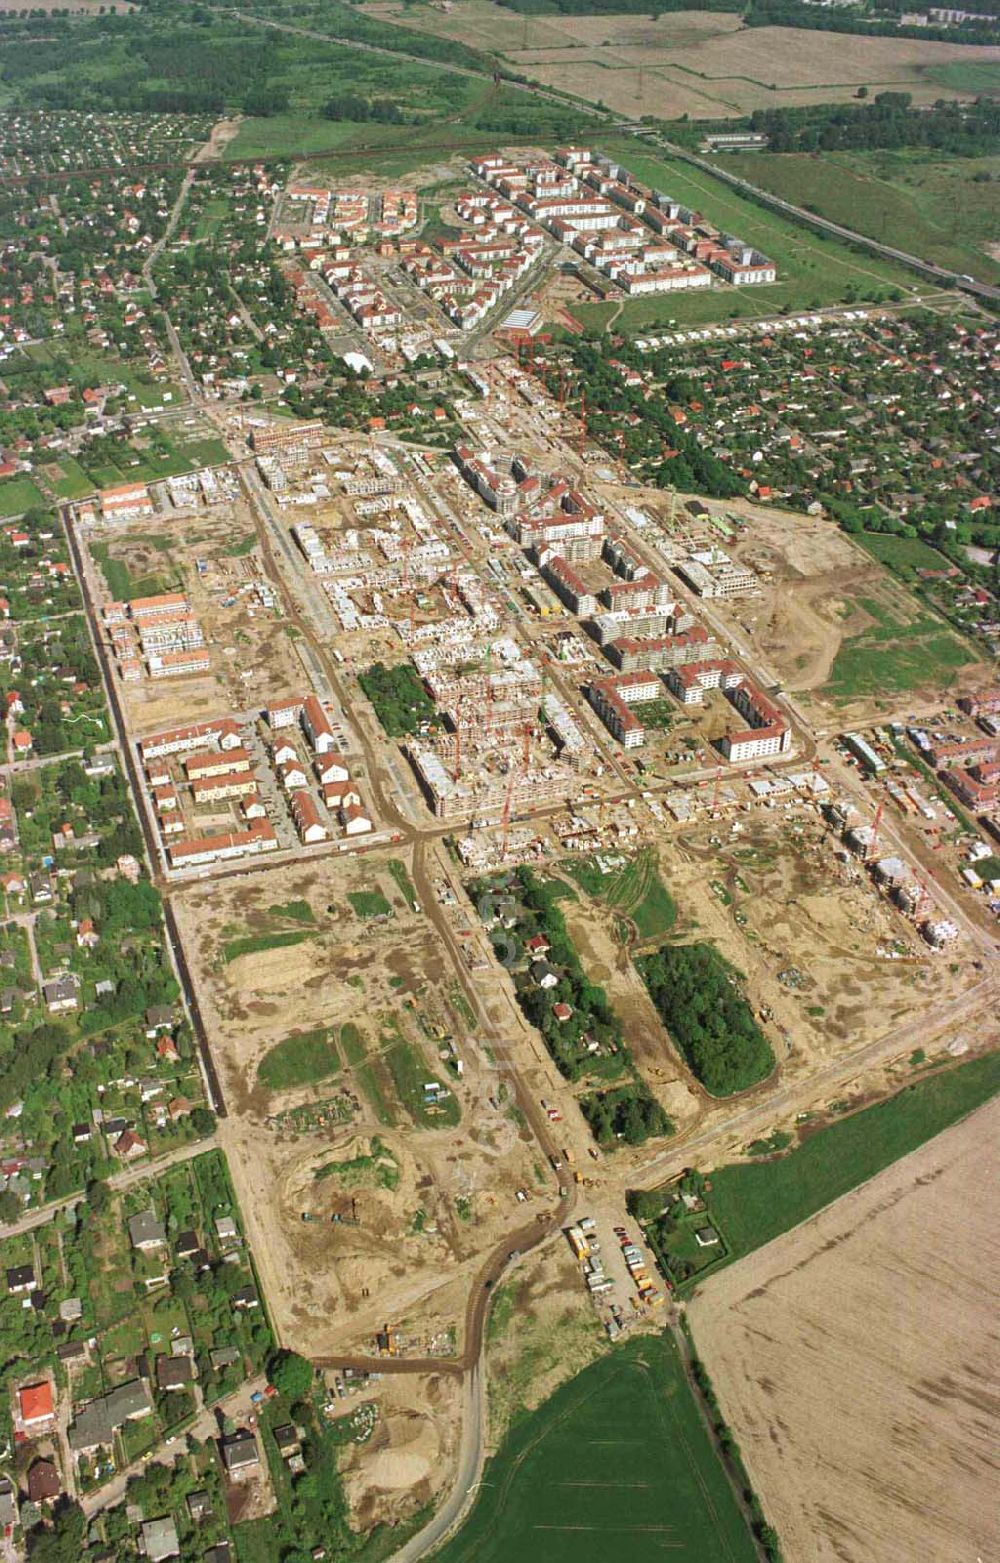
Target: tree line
889 121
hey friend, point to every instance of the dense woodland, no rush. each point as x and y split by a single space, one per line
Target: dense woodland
698 999
889 121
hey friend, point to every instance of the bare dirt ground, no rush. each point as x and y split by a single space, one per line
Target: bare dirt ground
813 581
252 658
855 1360
407 1463
705 64
438 1198
223 131
807 932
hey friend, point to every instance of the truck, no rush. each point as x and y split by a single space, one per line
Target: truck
568 1156
577 1242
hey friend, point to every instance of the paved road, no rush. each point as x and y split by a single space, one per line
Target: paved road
471 1455
126 1179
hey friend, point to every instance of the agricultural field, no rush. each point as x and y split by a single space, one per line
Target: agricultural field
705 65
363 1112
946 210
619 1457
799 1335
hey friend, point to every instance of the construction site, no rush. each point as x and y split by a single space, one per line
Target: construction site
380 1151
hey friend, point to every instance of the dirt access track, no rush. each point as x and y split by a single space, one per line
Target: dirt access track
855 1361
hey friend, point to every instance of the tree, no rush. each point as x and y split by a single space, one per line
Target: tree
64 1542
290 1374
10 1207
98 1196
202 1122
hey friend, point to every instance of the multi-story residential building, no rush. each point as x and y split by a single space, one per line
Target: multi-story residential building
568 586
613 699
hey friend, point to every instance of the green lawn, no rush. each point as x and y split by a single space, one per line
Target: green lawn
304 1058
617 1464
902 554
932 206
759 1201
18 495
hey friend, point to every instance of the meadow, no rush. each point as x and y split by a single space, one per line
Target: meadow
304 1058
812 270
945 209
893 656
901 554
616 1464
758 1201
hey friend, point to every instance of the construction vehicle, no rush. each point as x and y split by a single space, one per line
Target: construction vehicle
577 1242
568 1156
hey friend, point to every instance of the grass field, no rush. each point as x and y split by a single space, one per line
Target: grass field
18 495
122 584
302 1059
892 657
759 1201
902 554
369 903
409 1072
812 270
398 871
635 889
617 1464
979 75
943 209
71 482
293 911
256 944
371 1076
